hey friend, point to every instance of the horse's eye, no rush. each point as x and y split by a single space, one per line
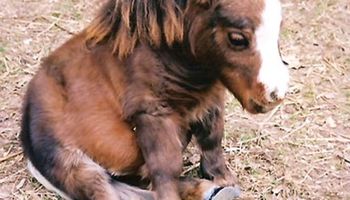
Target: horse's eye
238 41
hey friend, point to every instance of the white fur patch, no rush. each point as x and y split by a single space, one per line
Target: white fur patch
207 195
273 73
227 192
44 181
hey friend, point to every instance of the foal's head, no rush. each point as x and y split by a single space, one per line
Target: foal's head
239 38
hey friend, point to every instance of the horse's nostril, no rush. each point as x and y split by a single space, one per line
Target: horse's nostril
274 95
285 63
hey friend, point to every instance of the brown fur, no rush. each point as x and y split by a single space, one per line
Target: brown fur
125 96
126 23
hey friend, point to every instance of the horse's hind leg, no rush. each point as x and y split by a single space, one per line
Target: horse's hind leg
80 178
73 175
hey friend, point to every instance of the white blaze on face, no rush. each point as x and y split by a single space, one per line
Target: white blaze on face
273 73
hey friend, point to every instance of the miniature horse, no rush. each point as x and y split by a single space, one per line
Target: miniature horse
115 106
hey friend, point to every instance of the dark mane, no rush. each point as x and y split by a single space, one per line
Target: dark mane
123 23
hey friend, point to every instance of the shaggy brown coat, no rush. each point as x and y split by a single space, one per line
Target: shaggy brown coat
126 95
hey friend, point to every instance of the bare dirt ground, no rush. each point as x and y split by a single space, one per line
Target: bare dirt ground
301 150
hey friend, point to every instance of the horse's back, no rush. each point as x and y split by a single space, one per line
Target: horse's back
74 102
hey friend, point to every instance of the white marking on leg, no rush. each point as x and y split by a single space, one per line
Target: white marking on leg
35 173
273 73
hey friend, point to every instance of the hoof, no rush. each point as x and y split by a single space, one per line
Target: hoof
226 193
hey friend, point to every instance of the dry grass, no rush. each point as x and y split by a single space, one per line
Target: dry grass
299 151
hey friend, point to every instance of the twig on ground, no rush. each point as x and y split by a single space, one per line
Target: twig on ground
10 156
328 140
333 65
55 23
190 169
306 121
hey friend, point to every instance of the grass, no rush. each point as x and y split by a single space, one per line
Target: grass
299 151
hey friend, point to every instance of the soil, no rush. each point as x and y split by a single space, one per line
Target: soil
300 150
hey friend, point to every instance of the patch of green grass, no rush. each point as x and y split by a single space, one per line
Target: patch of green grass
2 65
321 7
2 49
309 95
276 181
50 197
347 94
286 33
69 5
246 137
255 173
2 58
339 166
56 14
347 97
78 16
232 104
347 61
280 152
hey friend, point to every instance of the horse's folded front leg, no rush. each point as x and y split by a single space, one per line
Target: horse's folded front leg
158 139
209 133
213 168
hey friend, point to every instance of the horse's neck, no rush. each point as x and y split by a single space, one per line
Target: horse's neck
180 63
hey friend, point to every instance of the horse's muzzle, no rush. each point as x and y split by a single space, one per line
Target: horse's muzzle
256 107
